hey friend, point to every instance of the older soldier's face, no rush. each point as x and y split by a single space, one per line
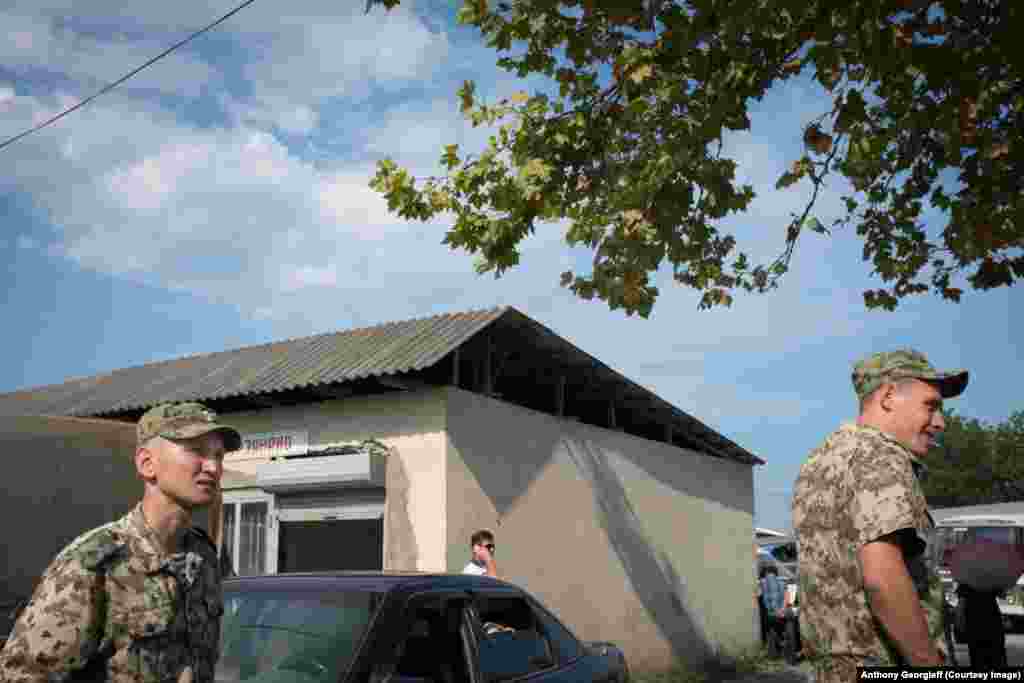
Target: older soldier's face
188 471
916 410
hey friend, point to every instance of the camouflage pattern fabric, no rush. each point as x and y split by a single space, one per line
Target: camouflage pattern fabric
857 487
184 421
113 607
871 372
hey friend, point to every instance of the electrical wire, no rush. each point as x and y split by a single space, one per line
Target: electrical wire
111 86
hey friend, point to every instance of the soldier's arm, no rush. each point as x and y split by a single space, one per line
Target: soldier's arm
58 631
894 600
884 518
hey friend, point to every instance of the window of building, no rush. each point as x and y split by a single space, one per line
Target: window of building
245 534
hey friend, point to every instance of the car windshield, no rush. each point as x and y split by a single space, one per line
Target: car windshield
271 637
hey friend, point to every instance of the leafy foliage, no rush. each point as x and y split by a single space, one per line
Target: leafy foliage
629 153
978 464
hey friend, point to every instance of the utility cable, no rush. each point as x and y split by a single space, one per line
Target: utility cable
111 86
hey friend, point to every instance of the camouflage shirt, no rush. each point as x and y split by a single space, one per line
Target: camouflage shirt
857 487
113 607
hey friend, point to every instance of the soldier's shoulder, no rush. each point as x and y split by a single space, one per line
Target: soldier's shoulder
868 449
94 549
854 445
851 436
826 456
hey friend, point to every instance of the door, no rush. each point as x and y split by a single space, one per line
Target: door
331 545
338 530
429 642
517 638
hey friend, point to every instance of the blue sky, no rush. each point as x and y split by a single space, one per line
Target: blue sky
220 199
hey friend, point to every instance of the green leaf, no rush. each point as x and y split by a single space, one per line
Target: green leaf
643 138
451 157
786 180
812 223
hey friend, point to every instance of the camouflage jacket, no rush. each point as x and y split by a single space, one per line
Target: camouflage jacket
855 488
113 607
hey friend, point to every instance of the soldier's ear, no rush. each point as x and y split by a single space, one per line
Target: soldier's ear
885 396
145 464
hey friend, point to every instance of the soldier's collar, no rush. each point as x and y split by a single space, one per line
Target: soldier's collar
148 552
915 461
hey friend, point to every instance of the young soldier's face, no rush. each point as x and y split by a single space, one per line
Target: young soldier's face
187 471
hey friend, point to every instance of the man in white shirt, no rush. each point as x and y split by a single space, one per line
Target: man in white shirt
482 563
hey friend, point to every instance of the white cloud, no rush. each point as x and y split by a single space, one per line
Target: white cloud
235 214
60 44
310 276
345 198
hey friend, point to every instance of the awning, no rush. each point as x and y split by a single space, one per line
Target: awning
322 472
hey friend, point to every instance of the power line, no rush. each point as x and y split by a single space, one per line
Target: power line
111 86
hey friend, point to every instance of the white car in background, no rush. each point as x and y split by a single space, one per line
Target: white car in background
1001 528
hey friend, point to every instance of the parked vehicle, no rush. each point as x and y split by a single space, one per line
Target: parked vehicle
950 532
399 628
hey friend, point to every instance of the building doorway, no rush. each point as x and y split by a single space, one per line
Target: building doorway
331 545
330 530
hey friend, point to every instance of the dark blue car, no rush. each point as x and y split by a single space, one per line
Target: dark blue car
399 628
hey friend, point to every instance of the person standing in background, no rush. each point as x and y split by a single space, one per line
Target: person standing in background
482 562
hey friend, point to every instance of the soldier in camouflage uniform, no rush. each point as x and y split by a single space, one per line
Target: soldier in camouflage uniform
867 597
138 599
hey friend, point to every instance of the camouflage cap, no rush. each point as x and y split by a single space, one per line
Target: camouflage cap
184 421
871 372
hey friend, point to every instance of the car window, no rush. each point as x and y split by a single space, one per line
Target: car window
270 637
433 647
564 645
512 644
998 534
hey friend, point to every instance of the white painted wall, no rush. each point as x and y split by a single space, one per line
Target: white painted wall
628 540
411 424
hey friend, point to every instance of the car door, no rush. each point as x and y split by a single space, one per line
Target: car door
429 646
514 639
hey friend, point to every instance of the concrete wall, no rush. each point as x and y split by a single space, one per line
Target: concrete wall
62 477
628 540
411 424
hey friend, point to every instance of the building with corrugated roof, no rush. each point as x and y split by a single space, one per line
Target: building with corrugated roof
629 517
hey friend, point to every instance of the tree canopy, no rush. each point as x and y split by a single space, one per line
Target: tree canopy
978 464
926 111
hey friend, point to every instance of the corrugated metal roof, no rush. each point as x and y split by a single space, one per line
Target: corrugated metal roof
331 359
385 349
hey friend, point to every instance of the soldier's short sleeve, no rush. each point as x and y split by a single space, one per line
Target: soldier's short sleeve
883 484
59 630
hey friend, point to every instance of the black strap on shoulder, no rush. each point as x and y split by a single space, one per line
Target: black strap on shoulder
95 668
201 533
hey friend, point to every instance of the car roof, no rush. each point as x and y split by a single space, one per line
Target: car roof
983 520
364 581
775 541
